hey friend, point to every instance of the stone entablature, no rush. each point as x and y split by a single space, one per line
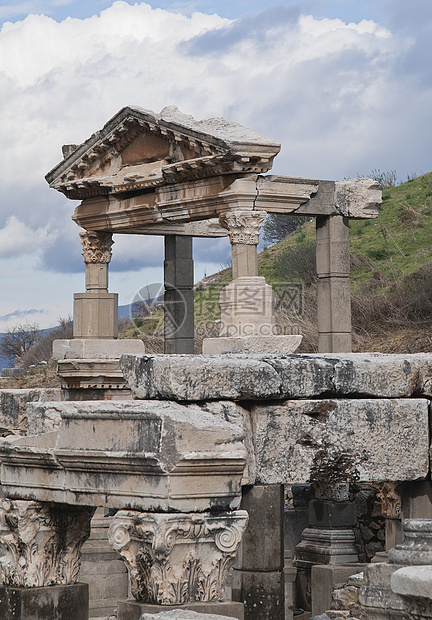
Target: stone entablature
156 456
183 170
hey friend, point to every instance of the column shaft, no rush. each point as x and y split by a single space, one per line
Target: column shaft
259 579
179 295
333 287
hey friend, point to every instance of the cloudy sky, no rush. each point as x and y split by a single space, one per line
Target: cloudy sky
344 85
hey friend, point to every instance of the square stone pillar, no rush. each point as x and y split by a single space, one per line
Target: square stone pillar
96 311
258 577
179 295
333 287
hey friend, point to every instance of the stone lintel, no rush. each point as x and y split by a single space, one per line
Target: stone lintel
352 198
204 199
278 377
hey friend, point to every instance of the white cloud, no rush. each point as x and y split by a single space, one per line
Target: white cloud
17 238
328 90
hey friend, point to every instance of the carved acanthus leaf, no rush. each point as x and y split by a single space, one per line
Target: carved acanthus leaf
40 544
96 246
177 558
243 225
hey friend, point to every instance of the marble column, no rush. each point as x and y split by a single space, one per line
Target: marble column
247 303
96 310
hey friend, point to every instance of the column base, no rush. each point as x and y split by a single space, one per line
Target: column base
132 610
251 344
46 603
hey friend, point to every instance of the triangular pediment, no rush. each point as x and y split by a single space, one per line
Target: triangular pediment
138 149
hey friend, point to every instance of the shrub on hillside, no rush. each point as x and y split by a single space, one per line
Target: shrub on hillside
296 263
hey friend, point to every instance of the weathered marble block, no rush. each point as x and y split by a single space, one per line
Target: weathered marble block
256 377
366 439
145 455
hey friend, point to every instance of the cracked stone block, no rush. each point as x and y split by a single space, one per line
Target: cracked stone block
369 440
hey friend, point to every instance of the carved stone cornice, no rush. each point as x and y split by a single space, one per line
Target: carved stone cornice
40 544
243 225
96 246
139 150
177 558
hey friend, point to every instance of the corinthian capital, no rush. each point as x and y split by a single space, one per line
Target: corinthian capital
177 558
96 246
40 544
243 225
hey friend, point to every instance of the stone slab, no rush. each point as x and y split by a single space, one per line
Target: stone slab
13 403
251 344
133 610
255 377
199 377
47 603
91 348
376 591
371 440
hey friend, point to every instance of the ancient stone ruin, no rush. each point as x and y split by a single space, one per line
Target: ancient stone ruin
228 484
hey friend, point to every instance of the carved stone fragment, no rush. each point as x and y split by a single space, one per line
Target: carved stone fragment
358 198
243 225
40 544
390 500
96 246
177 558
